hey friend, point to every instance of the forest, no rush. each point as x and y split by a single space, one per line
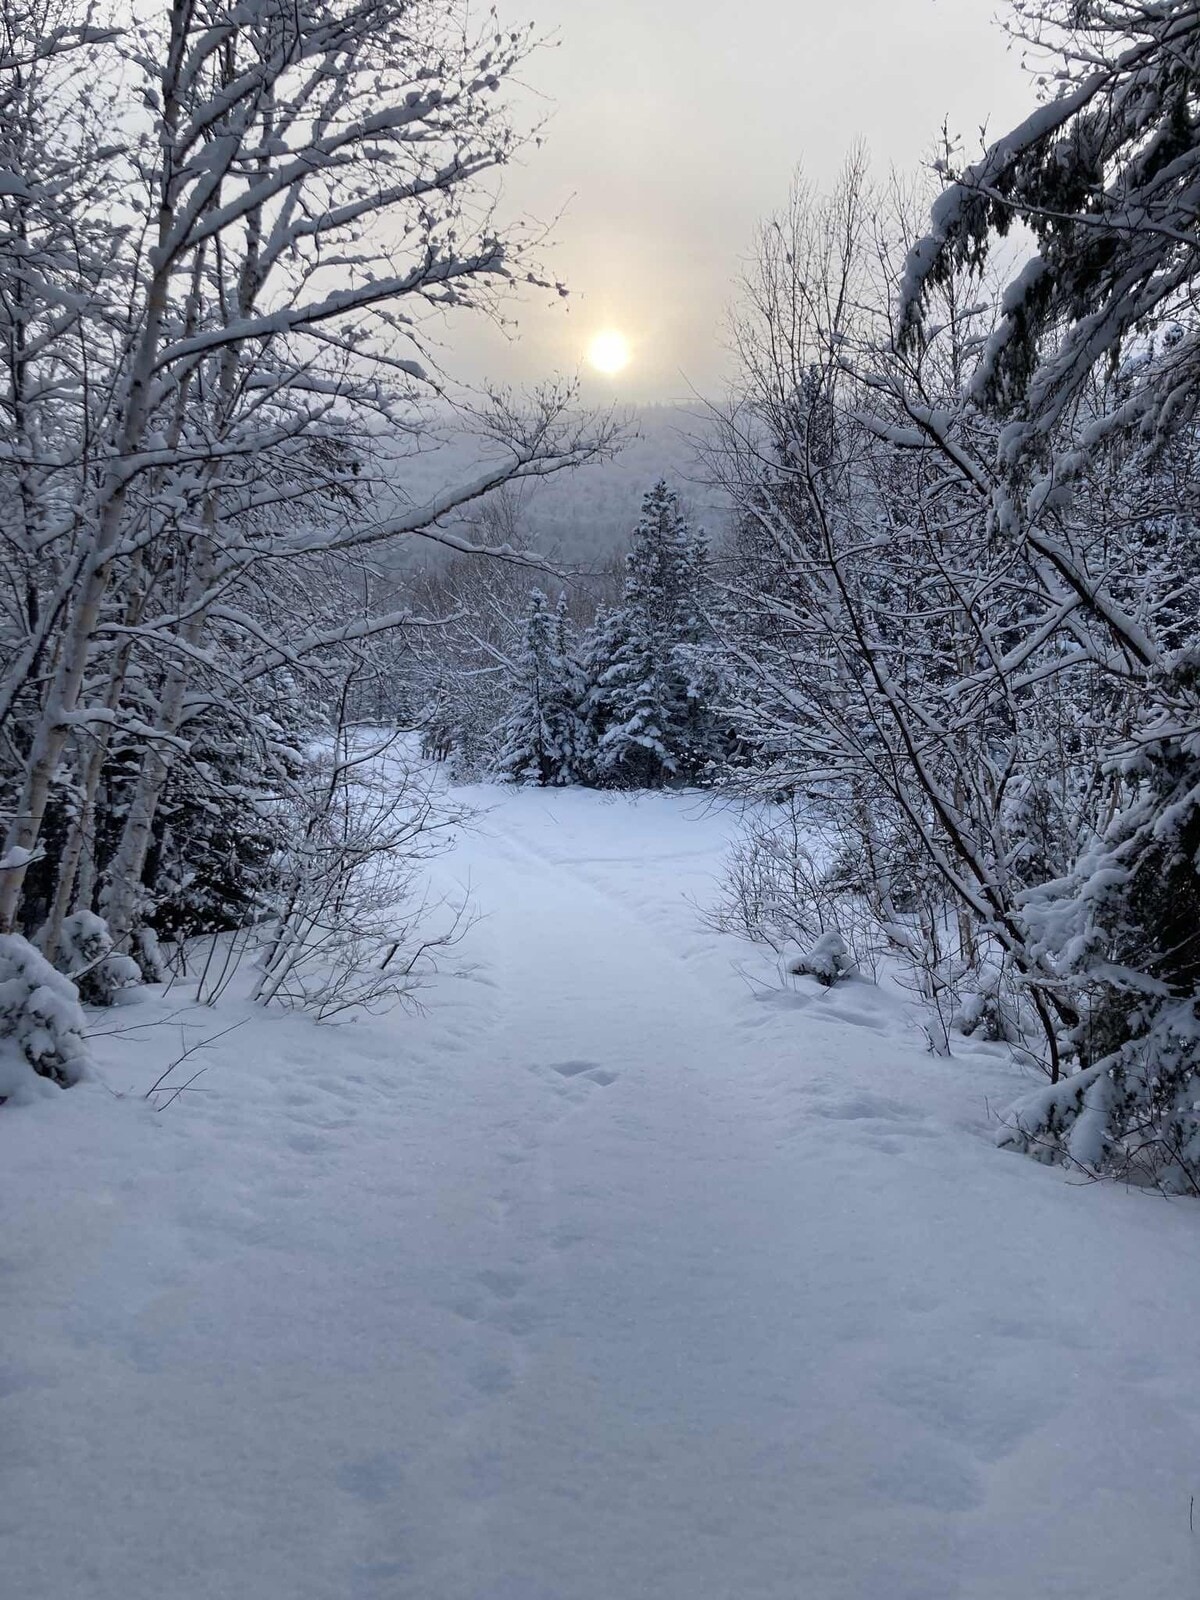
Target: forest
952 606
911 608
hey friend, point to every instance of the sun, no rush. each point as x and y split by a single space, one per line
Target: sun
609 351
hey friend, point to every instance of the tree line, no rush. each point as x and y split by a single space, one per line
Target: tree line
970 531
630 697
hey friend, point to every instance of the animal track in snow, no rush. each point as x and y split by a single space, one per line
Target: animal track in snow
305 1144
516 1318
863 1108
971 1403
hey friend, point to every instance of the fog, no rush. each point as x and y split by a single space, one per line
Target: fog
673 128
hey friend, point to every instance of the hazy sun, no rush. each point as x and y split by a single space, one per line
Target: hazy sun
609 351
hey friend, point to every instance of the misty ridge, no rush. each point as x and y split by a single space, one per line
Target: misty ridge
585 520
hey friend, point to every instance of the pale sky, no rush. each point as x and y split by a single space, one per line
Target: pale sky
675 128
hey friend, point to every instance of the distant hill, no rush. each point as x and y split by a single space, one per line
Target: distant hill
592 511
581 517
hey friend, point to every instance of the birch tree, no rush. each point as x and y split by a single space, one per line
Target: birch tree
299 190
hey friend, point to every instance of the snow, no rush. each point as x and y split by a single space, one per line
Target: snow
828 960
617 1274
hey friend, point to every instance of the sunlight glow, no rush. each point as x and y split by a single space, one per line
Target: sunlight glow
609 351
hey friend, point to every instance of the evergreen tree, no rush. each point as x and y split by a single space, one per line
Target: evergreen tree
630 710
540 736
570 685
652 661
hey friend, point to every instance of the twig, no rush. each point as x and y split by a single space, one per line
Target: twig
200 1044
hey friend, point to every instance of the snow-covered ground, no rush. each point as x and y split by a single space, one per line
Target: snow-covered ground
614 1276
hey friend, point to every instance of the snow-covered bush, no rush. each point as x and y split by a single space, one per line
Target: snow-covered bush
86 955
41 1024
828 960
987 1013
774 888
1136 1113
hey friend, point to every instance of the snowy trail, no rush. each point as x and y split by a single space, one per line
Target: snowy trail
606 1279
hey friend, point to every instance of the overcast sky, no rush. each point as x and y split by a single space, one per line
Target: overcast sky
675 127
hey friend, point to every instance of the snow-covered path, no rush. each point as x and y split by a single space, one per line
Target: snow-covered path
611 1277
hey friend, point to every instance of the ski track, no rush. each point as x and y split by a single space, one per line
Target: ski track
609 1277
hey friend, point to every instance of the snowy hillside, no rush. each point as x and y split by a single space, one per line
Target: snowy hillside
592 512
621 1272
586 516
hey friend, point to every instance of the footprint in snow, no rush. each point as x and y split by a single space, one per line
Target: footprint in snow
373 1479
492 1378
584 1069
504 1284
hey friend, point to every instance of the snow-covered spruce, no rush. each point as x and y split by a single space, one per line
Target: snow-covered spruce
651 663
542 736
1122 929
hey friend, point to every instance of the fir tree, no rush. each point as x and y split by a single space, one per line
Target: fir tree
651 661
540 736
